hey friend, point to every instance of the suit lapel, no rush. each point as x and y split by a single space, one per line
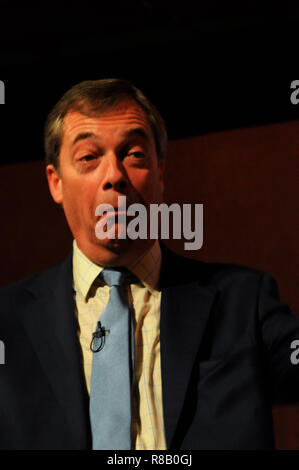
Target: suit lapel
185 310
49 320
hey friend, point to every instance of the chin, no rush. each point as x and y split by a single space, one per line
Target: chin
109 252
113 251
117 247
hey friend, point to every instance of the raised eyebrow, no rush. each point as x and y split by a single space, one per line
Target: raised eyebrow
83 136
137 131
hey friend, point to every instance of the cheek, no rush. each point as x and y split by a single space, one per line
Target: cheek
79 197
148 185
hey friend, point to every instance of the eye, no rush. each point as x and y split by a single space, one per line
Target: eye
87 158
136 154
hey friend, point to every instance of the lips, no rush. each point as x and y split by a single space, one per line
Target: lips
114 207
108 208
116 215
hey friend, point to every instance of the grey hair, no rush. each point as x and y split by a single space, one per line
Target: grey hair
93 98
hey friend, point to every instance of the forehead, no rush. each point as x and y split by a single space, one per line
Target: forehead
117 120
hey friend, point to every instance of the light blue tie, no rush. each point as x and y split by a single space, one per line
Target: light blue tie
110 389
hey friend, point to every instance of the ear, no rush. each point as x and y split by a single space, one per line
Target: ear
161 167
55 183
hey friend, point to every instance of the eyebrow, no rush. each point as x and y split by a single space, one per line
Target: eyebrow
82 136
137 131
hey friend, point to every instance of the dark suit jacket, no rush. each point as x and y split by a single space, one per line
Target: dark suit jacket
225 357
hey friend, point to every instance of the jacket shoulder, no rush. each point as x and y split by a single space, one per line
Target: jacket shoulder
176 267
40 281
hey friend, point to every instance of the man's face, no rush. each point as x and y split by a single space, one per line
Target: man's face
102 158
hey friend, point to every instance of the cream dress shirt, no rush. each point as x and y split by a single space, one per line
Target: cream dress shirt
144 296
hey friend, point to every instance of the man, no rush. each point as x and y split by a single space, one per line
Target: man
211 343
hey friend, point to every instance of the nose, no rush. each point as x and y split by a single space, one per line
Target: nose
114 175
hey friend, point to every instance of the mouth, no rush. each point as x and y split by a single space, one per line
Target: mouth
114 213
115 210
113 225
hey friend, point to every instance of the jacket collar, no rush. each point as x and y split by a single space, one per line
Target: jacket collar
47 314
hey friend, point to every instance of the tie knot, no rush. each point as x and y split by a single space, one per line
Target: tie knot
114 276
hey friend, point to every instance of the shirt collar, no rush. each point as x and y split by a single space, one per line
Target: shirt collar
146 268
84 271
